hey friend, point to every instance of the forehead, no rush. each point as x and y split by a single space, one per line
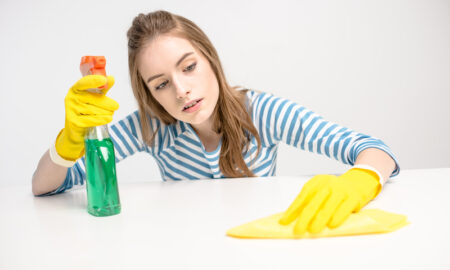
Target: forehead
164 51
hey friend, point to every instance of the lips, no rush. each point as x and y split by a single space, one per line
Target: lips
191 104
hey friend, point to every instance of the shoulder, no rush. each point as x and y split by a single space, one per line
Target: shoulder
253 94
252 97
257 100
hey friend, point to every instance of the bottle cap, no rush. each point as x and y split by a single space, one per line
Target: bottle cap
93 65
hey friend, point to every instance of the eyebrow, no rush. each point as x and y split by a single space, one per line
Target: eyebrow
178 62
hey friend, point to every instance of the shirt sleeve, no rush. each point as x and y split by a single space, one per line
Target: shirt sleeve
279 119
127 139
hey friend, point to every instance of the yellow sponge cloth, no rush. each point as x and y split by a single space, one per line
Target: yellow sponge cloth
364 222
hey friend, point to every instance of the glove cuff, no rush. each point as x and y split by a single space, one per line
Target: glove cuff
370 168
57 159
68 147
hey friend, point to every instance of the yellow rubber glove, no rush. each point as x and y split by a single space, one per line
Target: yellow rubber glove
328 200
84 109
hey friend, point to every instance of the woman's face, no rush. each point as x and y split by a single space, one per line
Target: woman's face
179 76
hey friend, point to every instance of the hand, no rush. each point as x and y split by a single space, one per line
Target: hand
328 200
84 109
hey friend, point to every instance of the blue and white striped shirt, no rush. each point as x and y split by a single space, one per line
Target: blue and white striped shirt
180 154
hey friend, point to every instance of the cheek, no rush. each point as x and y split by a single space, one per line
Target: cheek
210 79
214 84
159 99
167 103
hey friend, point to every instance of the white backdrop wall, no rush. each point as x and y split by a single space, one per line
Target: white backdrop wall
378 67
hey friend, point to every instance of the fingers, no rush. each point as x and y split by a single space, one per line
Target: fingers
343 212
74 100
325 214
97 100
110 82
87 115
89 82
90 109
310 211
305 195
84 121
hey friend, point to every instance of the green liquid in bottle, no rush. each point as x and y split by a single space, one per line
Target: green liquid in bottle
101 184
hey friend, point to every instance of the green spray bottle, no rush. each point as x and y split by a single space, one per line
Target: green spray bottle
101 184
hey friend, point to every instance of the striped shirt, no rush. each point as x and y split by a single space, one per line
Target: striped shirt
180 154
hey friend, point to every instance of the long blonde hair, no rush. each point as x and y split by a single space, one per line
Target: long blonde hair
231 119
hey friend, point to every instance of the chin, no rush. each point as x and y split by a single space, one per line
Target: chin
199 119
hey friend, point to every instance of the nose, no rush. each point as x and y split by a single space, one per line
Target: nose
181 90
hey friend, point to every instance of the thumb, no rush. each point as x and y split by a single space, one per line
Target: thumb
89 82
110 82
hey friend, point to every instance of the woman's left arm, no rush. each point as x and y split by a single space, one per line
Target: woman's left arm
325 200
282 120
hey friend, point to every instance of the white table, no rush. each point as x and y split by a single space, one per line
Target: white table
182 225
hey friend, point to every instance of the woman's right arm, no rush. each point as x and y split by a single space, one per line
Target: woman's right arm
48 175
127 138
83 109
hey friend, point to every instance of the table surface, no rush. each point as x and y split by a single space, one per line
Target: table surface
182 225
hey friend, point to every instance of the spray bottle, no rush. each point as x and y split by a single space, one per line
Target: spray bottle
101 183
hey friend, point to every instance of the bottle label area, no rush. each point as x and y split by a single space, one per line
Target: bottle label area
101 184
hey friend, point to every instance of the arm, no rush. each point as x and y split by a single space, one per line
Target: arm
281 120
83 109
48 175
325 200
52 178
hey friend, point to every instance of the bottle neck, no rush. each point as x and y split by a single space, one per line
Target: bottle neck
97 133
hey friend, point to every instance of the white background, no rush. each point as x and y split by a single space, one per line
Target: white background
378 67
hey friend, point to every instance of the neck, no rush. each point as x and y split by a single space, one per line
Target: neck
209 138
205 129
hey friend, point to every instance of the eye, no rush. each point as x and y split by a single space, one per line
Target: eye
187 69
161 85
191 67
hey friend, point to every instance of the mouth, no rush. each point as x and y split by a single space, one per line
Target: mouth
193 105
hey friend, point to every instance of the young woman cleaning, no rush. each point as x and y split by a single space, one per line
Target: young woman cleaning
197 126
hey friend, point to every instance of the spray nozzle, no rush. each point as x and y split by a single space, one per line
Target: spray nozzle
93 65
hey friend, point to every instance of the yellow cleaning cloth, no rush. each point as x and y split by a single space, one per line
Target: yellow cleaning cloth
364 222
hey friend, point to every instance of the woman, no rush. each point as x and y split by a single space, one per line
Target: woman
197 126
